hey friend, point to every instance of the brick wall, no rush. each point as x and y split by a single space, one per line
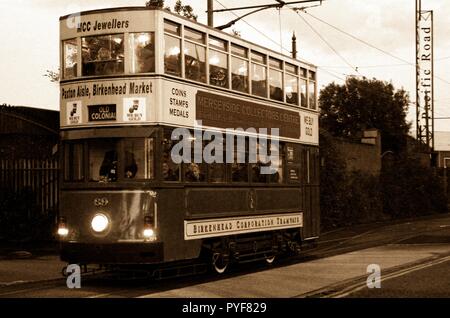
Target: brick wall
363 155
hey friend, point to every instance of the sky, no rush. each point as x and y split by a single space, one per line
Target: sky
29 31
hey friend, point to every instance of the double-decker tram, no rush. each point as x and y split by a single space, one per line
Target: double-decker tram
143 93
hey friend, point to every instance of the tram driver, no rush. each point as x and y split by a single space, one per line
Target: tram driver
108 169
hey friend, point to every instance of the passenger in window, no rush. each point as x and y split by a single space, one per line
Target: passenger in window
108 169
130 165
103 54
216 172
218 76
256 173
146 57
168 174
193 173
239 172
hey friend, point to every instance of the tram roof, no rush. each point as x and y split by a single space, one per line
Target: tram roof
144 8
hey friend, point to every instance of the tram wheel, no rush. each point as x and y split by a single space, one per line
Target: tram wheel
219 263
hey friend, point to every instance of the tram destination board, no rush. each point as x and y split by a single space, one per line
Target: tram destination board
225 112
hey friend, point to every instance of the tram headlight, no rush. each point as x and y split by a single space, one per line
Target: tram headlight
63 231
62 227
149 233
99 223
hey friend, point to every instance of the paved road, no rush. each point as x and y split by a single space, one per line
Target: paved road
338 268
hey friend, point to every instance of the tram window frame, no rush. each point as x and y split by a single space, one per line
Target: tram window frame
293 100
239 82
277 93
144 164
239 57
218 79
212 40
166 158
268 178
202 166
116 153
147 54
303 89
220 76
74 63
293 161
245 167
191 72
172 31
177 70
172 27
312 97
259 61
69 162
117 63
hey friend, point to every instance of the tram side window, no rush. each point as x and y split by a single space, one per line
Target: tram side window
276 84
195 62
291 89
142 46
195 171
277 163
239 167
218 62
170 171
103 160
269 165
70 58
73 162
303 100
293 159
103 55
138 158
312 90
239 74
172 55
259 75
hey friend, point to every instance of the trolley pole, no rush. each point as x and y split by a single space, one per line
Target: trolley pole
211 13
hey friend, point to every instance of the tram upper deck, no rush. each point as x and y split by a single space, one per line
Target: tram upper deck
143 66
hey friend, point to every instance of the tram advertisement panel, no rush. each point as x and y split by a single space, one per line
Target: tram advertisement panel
108 102
134 101
186 105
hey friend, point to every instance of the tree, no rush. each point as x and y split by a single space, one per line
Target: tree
184 10
54 76
359 104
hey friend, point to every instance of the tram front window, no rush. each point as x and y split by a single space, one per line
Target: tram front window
142 46
103 160
103 55
70 59
111 160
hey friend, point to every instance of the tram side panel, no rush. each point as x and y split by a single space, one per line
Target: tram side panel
203 205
